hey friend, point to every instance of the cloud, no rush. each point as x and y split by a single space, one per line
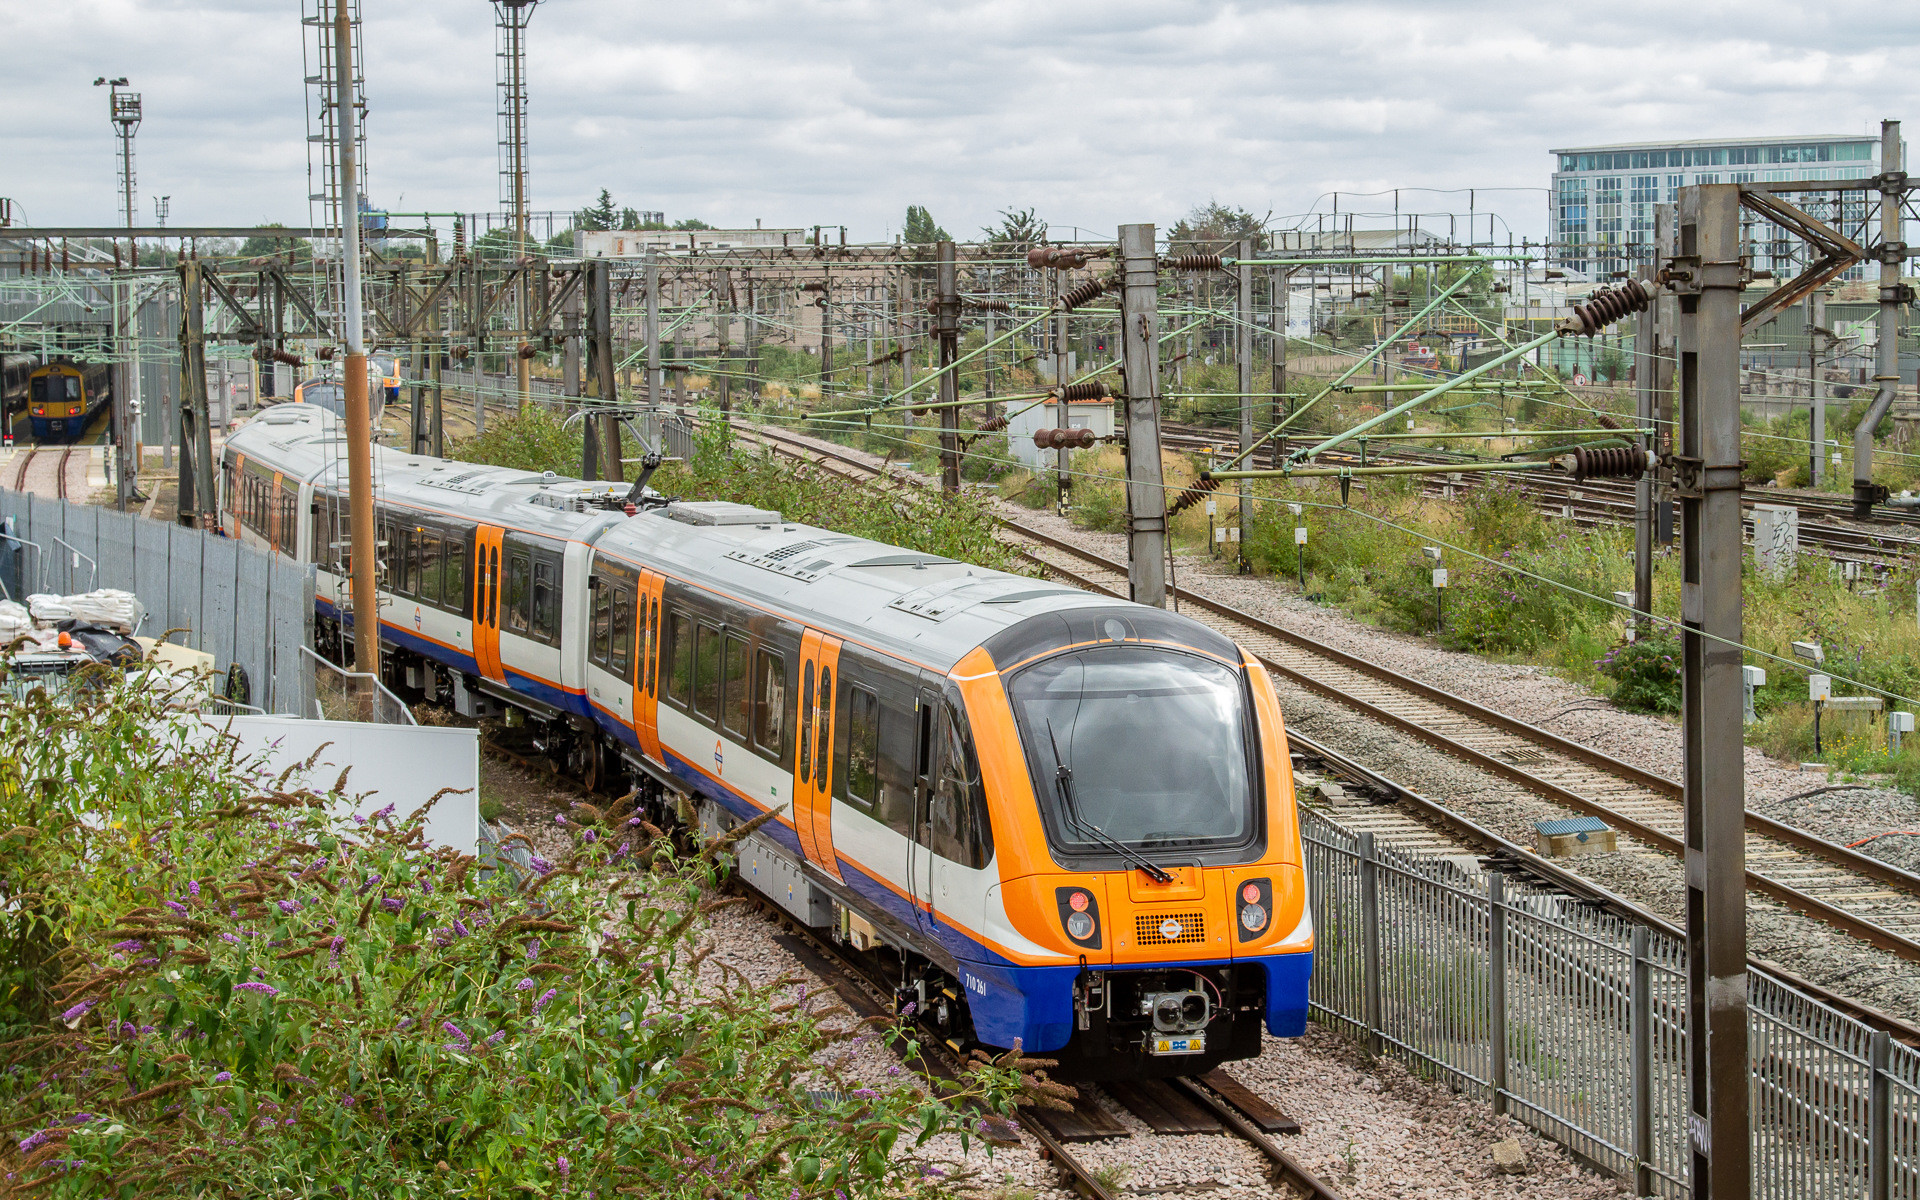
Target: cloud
845 112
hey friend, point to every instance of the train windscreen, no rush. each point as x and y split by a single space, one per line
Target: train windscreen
1156 746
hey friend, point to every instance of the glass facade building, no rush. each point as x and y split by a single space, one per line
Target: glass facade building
1600 214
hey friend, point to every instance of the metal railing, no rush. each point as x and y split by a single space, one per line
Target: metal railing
343 695
1574 1021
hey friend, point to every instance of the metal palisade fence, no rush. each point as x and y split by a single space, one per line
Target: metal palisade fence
1573 1020
239 604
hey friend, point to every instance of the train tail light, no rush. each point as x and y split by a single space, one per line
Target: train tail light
1079 915
1255 903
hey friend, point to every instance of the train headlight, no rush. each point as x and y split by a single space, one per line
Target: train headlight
1255 902
1079 915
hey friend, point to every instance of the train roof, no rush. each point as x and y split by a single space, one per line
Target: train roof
921 607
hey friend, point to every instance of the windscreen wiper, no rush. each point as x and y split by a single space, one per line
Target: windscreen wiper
1063 783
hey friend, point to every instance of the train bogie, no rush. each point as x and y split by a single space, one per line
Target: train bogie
1048 819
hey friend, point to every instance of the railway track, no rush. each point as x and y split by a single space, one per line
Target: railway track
1211 1104
25 478
1864 897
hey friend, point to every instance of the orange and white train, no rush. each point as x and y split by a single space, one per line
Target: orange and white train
1052 819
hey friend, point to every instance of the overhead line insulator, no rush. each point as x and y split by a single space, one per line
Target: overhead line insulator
1606 306
1088 292
1193 262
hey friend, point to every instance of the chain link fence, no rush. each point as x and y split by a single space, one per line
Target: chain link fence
1574 1020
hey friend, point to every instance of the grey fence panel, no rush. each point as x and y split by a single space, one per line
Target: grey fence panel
152 540
49 521
253 624
184 583
115 543
74 560
292 624
221 596
1574 1021
16 556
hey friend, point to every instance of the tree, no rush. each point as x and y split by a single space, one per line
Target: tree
599 215
691 223
921 229
1018 230
260 247
1213 227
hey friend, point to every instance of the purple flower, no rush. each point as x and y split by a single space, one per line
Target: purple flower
81 1118
460 928
563 1166
130 944
559 819
289 906
178 907
33 1141
633 822
533 951
223 1077
540 865
265 989
426 886
461 1038
385 813
525 985
493 1039
346 1100
546 998
333 959
193 888
620 853
363 889
77 1011
589 836
228 937
393 905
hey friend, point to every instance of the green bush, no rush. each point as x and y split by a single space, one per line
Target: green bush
533 439
215 987
1646 674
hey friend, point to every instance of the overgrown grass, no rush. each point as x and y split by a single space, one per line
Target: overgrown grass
213 985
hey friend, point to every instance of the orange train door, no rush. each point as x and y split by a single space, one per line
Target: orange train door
813 759
646 673
486 602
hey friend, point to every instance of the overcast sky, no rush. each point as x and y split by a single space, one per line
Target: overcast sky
817 112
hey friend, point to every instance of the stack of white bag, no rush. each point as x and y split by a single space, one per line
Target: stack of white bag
107 606
48 608
14 621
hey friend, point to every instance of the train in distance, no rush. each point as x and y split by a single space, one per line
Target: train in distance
63 397
1046 818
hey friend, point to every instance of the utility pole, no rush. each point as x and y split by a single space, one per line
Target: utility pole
826 332
1140 360
1243 361
366 601
511 17
1822 343
572 382
1707 480
947 327
1892 253
1644 374
196 440
650 279
606 388
1666 308
723 318
1061 408
124 111
1282 299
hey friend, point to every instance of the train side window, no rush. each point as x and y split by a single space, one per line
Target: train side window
824 725
545 601
770 730
923 767
599 647
957 812
406 555
706 672
430 568
654 642
519 579
620 655
453 575
679 648
859 766
806 722
897 752
733 687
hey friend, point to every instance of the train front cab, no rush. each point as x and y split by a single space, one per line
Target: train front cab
1079 953
60 400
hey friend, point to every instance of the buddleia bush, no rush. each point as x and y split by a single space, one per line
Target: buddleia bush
218 984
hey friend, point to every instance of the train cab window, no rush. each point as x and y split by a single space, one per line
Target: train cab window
519 588
860 759
429 553
957 812
706 672
620 652
898 730
679 650
546 621
600 645
733 687
770 729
